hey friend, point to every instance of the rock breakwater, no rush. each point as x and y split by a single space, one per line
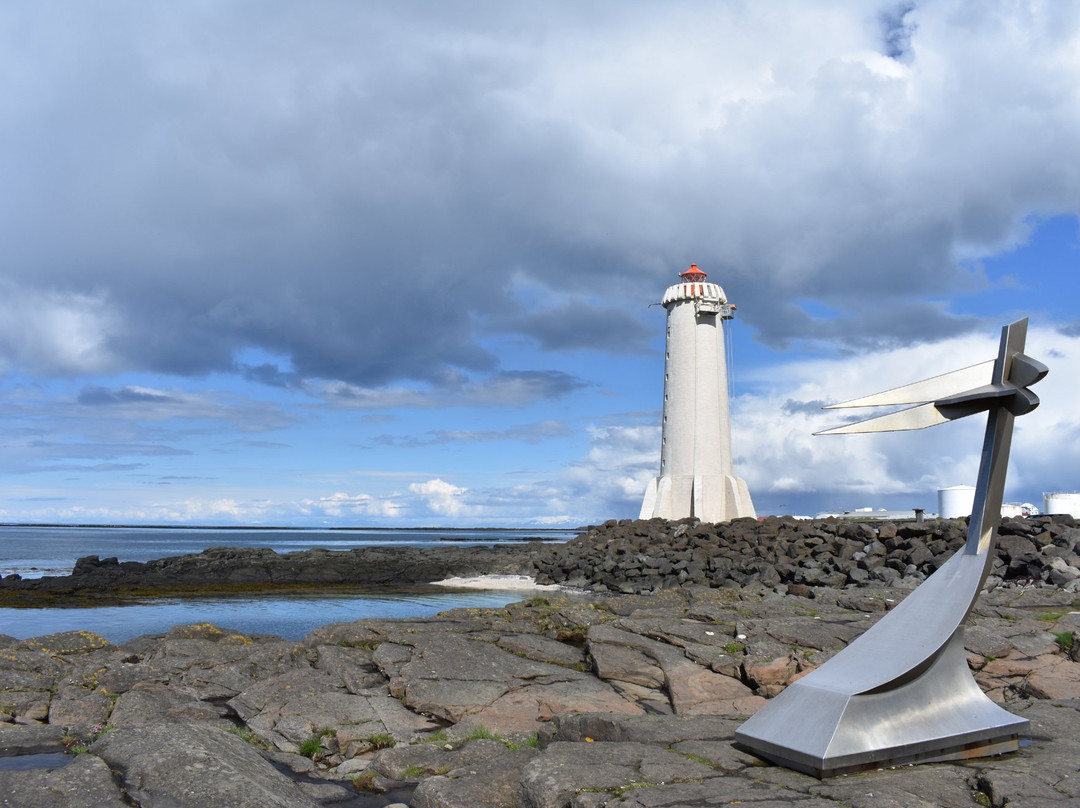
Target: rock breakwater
641 556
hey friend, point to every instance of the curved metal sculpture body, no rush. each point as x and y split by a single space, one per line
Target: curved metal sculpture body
902 692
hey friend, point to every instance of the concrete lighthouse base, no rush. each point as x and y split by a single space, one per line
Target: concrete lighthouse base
712 498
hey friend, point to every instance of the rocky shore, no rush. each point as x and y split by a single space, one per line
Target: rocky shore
590 700
231 570
626 557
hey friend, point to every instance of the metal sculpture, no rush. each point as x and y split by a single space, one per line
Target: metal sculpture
902 692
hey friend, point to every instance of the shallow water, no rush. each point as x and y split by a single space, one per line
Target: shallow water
46 760
38 550
290 617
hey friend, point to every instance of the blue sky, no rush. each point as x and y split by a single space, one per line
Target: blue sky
392 264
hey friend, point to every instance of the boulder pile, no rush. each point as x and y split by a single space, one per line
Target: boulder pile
641 556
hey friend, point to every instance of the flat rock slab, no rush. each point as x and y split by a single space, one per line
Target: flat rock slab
455 677
542 649
713 792
430 758
529 708
492 782
86 780
564 770
195 767
664 730
32 739
157 703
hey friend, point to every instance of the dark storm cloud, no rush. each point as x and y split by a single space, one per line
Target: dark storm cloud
875 324
580 326
357 187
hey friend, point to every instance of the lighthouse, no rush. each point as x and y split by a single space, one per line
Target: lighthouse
696 474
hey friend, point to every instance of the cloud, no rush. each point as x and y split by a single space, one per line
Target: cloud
782 461
579 326
96 396
612 475
174 197
877 325
360 208
341 504
149 404
56 332
442 498
526 433
109 423
27 454
507 389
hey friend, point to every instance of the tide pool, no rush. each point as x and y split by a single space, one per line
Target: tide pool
290 618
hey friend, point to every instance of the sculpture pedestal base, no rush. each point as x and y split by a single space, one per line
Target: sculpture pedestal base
940 714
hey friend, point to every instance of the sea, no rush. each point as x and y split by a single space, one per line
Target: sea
37 550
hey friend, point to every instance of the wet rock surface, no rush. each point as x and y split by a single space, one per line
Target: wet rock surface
590 700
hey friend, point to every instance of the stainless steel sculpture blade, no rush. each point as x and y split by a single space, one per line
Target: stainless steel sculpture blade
947 384
902 692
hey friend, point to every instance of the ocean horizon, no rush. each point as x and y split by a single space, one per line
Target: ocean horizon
41 549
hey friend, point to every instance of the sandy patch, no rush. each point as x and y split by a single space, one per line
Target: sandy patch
521 583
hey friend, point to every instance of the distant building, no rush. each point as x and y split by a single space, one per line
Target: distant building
696 474
1018 509
956 501
1062 502
956 504
878 514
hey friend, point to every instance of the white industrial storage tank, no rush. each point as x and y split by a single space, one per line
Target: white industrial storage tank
1062 502
956 501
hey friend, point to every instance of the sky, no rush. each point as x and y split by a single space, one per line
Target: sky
341 263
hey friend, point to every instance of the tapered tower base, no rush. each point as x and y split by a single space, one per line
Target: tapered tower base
711 498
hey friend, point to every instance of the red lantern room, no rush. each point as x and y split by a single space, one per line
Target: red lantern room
693 275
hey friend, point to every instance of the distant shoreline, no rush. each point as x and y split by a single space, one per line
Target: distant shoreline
288 527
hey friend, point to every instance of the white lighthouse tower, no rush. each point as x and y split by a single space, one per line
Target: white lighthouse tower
696 474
